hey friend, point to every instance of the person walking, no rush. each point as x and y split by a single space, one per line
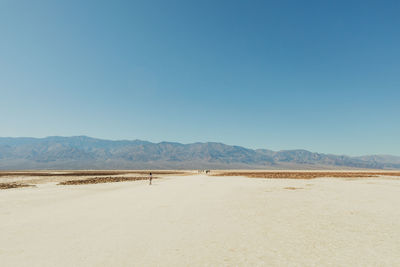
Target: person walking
150 178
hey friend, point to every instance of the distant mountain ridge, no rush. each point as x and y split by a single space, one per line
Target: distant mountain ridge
82 152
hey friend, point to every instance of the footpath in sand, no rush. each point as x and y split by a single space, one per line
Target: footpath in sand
203 221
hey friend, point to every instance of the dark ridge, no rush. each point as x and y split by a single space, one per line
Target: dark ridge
82 152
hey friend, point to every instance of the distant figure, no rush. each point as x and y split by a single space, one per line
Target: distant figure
150 178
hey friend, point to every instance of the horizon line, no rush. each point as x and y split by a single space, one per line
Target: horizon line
204 142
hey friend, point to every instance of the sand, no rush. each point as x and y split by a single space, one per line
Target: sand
203 221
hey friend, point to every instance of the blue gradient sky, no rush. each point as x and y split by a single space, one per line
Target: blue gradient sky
318 75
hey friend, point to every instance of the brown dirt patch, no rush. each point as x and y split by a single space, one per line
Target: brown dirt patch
13 185
307 175
292 188
101 180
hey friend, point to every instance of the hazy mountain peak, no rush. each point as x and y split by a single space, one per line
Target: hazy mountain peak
83 152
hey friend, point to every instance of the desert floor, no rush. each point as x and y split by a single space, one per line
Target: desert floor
201 220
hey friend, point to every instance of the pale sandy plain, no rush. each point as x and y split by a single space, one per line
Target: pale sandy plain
202 220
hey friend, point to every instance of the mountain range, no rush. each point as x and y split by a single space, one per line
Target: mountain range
82 152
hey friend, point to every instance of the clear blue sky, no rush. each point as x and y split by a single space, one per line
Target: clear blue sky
318 75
